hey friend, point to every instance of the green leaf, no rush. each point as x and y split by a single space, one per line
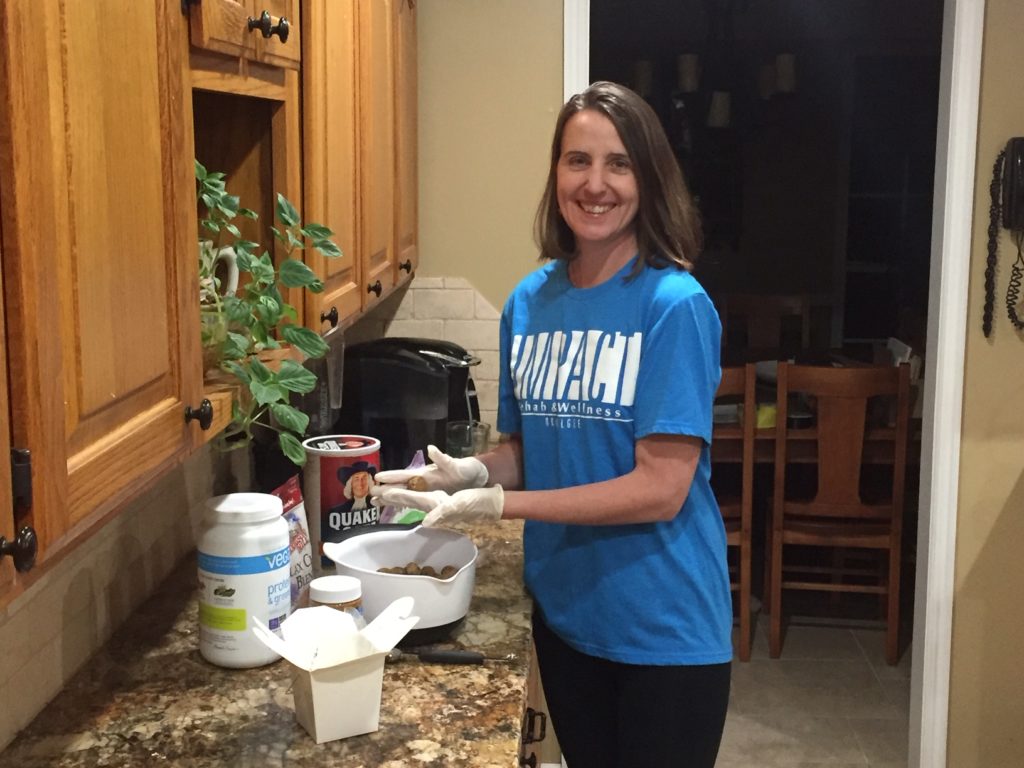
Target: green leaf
239 371
289 417
228 205
245 248
236 346
292 448
288 313
328 248
267 392
316 231
296 378
293 241
286 211
236 310
245 259
262 269
199 169
260 372
295 274
308 342
233 230
248 213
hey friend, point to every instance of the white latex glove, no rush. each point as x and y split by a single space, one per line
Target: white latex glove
445 474
466 506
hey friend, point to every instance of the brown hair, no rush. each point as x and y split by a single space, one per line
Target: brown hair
668 230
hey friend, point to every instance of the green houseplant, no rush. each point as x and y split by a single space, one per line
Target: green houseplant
240 327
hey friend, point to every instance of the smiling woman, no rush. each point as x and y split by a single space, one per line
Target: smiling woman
609 364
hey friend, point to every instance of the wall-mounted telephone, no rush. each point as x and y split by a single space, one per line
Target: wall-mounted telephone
1007 209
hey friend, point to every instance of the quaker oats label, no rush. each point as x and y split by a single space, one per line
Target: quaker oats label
339 474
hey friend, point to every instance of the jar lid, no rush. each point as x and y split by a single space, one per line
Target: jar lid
335 589
244 508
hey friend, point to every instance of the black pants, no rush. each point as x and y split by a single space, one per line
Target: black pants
610 714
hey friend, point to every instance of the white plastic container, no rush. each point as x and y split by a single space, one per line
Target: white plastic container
243 573
343 593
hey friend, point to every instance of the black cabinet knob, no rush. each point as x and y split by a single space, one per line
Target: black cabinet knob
23 549
265 24
406 265
203 414
330 317
375 288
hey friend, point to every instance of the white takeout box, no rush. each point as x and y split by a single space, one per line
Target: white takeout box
337 669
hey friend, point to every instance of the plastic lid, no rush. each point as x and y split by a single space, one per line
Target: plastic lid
244 508
335 589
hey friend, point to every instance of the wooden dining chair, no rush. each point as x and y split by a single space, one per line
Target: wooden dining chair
766 323
843 510
736 503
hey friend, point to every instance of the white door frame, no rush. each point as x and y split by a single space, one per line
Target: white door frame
959 86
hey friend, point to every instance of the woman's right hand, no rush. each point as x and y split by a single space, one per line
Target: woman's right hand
445 474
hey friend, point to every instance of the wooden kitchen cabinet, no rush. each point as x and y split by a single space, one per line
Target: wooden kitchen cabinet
330 115
359 148
406 177
100 342
224 27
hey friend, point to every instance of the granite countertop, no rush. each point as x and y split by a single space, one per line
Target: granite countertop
148 697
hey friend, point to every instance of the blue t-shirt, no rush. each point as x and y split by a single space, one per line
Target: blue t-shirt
585 373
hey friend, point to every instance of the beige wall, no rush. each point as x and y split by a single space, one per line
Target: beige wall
490 86
987 678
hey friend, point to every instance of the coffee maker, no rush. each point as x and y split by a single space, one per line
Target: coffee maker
404 391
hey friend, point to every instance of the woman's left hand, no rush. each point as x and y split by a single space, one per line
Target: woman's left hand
470 505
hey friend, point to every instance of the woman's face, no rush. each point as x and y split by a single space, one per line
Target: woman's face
595 187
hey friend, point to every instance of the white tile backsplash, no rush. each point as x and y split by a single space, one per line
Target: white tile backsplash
444 304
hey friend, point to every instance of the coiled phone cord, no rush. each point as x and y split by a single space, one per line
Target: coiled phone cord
1016 277
994 190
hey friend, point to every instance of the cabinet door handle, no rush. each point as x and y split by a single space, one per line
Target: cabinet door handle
531 734
203 414
23 549
375 288
530 761
330 317
265 24
406 265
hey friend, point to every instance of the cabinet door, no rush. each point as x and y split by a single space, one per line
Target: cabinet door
6 498
538 733
272 50
329 153
376 140
223 26
99 251
406 189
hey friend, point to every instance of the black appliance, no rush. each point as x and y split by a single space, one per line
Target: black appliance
404 391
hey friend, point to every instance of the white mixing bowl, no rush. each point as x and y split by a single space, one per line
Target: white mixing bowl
438 601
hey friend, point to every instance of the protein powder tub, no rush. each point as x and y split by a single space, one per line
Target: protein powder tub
243 574
343 593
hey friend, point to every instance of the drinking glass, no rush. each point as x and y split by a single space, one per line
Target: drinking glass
466 438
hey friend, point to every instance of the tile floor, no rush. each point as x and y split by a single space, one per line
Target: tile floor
830 700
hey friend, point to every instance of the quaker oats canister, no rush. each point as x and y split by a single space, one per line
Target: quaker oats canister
336 486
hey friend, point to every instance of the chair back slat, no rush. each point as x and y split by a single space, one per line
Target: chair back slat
840 398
